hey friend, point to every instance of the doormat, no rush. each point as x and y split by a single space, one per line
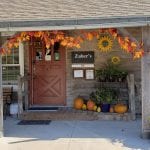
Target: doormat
34 122
44 108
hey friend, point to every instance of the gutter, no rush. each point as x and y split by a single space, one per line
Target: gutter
72 24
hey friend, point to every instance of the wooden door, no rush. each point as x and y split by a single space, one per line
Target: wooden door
48 84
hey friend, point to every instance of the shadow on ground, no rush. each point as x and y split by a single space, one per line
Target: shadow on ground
125 133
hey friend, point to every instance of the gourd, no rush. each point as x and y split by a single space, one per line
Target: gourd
120 108
90 105
78 103
111 110
84 107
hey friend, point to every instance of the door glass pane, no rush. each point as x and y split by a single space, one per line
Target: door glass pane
56 51
38 49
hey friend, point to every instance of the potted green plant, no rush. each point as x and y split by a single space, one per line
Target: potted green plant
111 73
96 96
109 95
100 75
104 97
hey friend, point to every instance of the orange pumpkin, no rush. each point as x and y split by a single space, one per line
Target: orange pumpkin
78 103
111 110
120 108
90 105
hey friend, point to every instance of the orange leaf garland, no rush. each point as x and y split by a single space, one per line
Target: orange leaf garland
50 37
138 54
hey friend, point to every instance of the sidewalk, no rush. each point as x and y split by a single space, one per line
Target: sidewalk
74 135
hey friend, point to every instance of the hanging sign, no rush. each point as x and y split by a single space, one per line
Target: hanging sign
48 55
83 57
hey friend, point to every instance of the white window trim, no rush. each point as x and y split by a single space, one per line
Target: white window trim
21 58
21 63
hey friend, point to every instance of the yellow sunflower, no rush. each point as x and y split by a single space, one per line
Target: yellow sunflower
115 60
105 44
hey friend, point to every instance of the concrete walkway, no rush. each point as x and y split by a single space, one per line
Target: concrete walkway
74 135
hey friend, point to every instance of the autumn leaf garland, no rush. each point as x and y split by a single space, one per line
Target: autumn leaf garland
50 37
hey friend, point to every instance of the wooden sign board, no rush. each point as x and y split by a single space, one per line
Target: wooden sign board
83 57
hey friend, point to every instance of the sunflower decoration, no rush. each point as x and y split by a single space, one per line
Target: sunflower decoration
105 43
115 60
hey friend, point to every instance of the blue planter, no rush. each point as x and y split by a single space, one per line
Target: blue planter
105 107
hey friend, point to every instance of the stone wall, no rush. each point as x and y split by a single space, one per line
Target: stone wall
82 87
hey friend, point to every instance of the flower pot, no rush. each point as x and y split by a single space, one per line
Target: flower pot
105 107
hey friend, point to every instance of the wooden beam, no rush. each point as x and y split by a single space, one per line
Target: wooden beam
1 97
131 88
20 96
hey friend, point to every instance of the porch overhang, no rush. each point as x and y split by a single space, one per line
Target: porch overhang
71 24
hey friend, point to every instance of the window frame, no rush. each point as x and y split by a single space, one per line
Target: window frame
20 64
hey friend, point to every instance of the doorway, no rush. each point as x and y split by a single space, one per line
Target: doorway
48 77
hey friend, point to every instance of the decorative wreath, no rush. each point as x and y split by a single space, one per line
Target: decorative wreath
115 60
105 44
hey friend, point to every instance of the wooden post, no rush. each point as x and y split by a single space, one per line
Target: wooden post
131 92
26 92
145 72
20 96
1 98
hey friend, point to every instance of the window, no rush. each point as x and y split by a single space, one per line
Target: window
10 67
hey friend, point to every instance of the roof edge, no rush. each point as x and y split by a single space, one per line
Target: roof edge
74 24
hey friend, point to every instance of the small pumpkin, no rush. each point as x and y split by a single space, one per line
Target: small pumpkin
78 103
95 108
90 105
84 107
120 108
111 110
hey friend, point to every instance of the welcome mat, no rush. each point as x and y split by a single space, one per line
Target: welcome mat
34 122
44 108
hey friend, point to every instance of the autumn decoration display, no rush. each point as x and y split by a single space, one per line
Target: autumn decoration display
120 108
78 103
104 42
90 105
115 60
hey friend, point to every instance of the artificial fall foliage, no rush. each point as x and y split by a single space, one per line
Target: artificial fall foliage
50 37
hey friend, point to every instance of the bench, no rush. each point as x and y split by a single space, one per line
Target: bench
7 98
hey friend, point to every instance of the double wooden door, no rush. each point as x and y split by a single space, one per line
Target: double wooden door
47 69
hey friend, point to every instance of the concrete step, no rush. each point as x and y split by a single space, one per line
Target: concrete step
73 115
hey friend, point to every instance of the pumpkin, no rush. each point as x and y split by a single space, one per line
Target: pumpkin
90 105
84 107
95 108
78 103
120 108
111 110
